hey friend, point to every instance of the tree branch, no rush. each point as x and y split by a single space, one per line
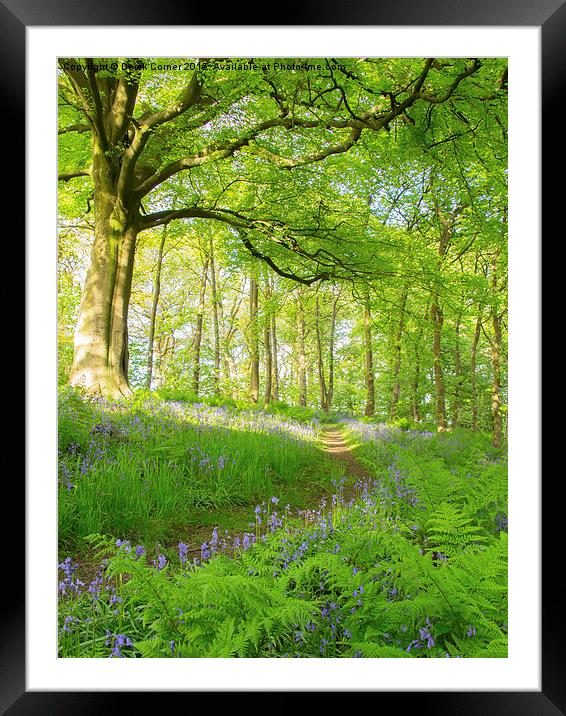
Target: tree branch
80 128
188 97
66 176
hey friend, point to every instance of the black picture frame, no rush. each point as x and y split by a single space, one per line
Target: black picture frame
550 16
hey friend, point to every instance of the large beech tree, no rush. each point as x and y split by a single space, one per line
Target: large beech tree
216 124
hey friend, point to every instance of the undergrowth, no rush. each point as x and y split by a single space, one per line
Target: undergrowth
415 565
142 468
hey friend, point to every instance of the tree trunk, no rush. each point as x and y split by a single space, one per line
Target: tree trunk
437 321
496 361
275 361
154 304
230 329
415 401
457 400
437 317
368 354
473 376
254 342
330 391
268 360
268 363
198 328
301 354
320 363
215 322
396 391
100 364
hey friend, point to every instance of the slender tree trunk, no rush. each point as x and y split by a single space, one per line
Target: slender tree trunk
215 322
437 321
275 360
301 352
154 304
231 373
457 400
100 363
163 346
229 362
254 342
331 339
274 357
415 386
368 354
437 318
473 371
268 363
198 328
496 361
267 356
396 391
320 363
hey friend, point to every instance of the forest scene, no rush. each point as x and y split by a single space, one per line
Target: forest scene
282 357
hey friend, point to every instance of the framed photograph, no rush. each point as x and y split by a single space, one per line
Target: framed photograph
522 49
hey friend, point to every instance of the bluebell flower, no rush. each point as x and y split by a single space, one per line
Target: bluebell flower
161 561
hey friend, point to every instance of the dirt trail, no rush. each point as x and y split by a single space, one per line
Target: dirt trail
334 443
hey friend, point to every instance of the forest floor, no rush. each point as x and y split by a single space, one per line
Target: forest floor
235 522
335 445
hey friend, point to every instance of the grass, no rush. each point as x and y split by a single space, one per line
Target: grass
413 565
148 469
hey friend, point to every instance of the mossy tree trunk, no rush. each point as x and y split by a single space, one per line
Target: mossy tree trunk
100 363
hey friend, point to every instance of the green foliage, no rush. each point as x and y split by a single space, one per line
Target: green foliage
399 217
401 423
354 579
143 468
176 394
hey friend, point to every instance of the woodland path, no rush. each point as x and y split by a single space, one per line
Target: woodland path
335 444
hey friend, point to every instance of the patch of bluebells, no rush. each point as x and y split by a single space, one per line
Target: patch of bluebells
70 584
425 638
95 587
327 632
404 491
206 417
117 642
501 522
69 619
160 562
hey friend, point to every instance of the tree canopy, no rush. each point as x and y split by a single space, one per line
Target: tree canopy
333 228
